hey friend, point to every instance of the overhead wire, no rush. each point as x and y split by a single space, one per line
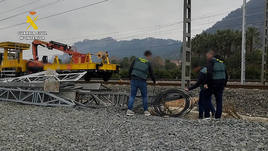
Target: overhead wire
18 7
157 46
176 29
57 14
25 12
158 27
74 10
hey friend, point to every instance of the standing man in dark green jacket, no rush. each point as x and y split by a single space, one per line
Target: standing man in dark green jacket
217 78
139 71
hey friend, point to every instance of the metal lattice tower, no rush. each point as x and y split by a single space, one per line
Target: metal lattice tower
265 45
186 50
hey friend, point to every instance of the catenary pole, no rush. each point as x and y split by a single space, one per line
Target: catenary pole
264 45
243 52
186 48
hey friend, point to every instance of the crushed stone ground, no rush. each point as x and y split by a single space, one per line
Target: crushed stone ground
250 102
24 127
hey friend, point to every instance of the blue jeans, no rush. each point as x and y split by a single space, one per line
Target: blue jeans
205 105
217 91
142 86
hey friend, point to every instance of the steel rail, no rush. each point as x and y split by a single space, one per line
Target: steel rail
169 83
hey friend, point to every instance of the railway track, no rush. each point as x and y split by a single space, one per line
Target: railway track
233 85
53 89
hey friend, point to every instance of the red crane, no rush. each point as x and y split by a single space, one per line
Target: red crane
76 56
37 65
78 62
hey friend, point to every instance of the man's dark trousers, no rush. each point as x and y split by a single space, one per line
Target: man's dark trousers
216 90
202 102
205 100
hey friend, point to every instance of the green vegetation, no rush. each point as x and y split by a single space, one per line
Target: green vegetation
163 69
226 43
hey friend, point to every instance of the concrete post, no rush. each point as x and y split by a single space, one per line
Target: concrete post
186 50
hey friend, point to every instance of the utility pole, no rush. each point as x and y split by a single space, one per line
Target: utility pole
186 49
264 45
243 52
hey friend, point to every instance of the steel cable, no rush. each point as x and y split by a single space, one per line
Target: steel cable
171 95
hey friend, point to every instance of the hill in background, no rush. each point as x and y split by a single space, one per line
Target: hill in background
166 48
254 18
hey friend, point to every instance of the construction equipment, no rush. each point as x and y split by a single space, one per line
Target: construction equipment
12 63
78 62
11 59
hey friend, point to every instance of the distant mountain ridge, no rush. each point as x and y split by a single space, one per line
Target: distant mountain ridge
254 18
166 48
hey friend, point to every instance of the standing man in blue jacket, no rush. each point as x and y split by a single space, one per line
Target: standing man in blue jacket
217 78
139 71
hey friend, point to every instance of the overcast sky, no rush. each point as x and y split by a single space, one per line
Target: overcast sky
120 19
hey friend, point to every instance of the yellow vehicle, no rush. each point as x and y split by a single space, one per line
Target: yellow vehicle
12 63
11 59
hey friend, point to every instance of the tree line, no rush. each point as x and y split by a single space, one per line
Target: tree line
163 68
226 43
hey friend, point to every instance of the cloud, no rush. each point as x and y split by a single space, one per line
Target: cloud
123 18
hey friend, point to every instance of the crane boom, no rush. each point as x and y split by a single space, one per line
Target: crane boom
76 56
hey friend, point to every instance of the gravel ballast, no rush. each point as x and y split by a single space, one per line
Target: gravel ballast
24 127
249 102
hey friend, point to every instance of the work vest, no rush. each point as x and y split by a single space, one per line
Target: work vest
140 68
218 70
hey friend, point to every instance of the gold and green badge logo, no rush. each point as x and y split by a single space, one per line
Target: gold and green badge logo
32 21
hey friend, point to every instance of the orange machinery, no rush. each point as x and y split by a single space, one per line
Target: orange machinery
78 61
76 56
